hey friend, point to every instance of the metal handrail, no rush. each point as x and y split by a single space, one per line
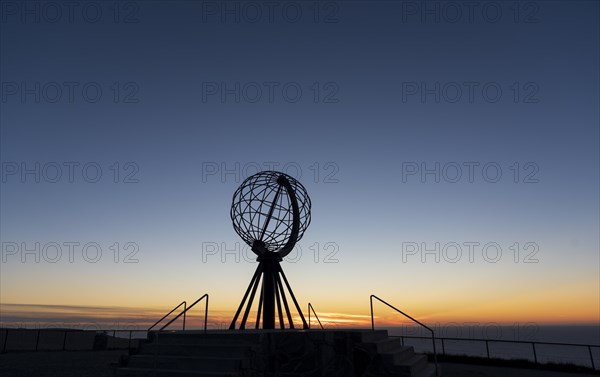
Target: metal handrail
188 308
65 332
533 343
310 307
412 319
166 315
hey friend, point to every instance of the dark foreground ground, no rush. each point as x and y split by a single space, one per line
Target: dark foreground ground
468 370
59 363
97 364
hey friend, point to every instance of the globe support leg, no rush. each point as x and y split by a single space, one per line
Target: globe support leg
272 294
269 295
253 282
287 284
285 303
260 301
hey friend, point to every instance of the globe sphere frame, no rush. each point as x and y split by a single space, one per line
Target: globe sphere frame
265 210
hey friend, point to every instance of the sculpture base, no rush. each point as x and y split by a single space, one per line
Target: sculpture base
275 352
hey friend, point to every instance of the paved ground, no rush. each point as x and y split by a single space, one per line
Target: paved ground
97 364
468 370
58 363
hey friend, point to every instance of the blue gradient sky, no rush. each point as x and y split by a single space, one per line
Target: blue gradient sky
368 53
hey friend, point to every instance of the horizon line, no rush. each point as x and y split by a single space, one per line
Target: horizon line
83 315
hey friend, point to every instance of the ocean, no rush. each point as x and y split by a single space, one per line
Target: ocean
513 348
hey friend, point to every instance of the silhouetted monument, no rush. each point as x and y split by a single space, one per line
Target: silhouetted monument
270 211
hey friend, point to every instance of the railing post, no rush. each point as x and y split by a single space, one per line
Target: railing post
372 320
487 348
310 307
5 341
64 340
184 314
129 342
402 339
591 357
534 353
206 314
443 347
37 340
156 345
434 354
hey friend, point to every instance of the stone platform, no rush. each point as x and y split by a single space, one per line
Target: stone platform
274 353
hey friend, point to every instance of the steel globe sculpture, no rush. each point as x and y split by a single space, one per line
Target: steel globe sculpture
270 212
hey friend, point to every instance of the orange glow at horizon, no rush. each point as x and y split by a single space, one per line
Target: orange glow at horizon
219 318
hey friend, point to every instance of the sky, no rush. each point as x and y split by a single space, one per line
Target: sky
450 150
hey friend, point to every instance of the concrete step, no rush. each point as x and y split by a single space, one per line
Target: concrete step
428 371
212 364
190 340
382 346
248 336
372 336
387 344
146 372
227 353
203 350
410 366
397 355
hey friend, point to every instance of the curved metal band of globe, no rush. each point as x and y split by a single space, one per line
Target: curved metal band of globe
269 270
287 248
